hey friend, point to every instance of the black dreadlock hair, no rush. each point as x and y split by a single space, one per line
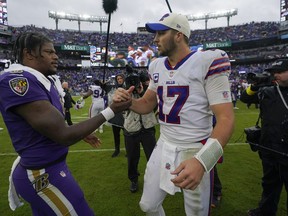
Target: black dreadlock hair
30 41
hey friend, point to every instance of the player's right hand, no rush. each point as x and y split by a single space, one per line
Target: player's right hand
122 94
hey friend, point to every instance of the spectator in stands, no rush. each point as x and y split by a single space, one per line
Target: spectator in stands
131 58
119 60
148 52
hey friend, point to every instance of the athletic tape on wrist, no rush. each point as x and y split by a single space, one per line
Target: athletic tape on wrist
209 154
108 113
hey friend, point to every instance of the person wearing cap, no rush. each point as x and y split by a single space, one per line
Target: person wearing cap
131 58
188 88
273 147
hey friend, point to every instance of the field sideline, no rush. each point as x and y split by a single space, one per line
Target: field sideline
106 186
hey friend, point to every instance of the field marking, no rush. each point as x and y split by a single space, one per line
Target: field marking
107 150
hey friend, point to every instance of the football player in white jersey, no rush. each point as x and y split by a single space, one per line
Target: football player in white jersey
188 87
98 104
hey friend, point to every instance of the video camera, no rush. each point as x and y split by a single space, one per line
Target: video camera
132 78
260 79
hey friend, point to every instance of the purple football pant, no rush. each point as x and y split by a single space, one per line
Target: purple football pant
51 191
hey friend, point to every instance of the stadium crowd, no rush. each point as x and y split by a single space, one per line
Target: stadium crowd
80 78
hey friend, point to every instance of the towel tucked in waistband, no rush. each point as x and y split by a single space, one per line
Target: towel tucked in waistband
13 197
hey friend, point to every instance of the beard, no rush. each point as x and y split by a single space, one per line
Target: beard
169 49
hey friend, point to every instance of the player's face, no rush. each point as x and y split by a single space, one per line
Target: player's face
47 60
165 42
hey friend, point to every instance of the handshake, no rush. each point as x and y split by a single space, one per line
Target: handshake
122 99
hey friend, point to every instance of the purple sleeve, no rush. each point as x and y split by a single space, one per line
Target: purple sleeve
17 90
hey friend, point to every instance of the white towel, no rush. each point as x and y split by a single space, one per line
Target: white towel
168 160
13 197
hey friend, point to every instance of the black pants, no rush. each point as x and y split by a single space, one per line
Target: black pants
275 175
68 117
116 135
132 143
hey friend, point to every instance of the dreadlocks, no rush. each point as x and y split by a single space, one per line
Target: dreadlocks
30 41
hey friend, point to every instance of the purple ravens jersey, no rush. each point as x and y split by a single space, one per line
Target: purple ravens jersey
22 85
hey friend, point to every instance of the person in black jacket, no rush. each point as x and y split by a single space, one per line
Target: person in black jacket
68 101
118 120
273 144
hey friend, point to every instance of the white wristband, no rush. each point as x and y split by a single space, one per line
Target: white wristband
209 154
108 113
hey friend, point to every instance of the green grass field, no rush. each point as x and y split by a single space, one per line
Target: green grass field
106 186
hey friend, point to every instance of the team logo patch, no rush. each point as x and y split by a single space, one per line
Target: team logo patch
156 77
19 85
168 166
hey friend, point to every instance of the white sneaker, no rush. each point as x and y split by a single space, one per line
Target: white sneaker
100 130
1 129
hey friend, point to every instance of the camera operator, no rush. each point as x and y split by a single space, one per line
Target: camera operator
273 146
138 129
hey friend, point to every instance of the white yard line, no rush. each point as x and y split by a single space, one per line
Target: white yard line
108 150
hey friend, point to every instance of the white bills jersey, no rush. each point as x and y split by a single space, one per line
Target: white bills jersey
97 100
186 91
97 93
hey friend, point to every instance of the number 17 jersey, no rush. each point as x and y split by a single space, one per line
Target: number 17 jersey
186 91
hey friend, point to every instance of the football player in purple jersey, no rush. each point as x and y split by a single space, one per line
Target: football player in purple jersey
32 111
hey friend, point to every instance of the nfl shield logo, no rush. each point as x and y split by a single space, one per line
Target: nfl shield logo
225 94
167 166
171 73
19 85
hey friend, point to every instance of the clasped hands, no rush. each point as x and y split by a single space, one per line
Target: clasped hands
121 94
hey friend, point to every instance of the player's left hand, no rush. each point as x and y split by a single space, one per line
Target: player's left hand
189 174
94 141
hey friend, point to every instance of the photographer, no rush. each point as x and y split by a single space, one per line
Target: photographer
138 129
273 144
